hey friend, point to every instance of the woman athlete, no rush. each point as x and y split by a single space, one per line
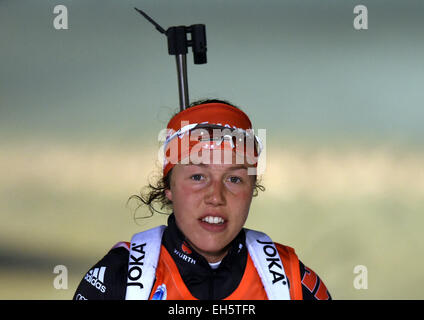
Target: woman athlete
204 252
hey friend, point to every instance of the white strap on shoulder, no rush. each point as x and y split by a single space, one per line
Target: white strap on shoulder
267 261
144 256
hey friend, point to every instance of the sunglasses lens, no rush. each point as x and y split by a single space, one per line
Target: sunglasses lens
239 139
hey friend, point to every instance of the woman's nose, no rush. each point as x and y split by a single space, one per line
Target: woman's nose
215 194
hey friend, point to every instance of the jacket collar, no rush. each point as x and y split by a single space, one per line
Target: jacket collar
195 269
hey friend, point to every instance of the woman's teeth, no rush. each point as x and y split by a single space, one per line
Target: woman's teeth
213 220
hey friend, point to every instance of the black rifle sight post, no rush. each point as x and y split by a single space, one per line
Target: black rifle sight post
178 45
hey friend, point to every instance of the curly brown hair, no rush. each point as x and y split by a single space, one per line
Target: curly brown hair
154 193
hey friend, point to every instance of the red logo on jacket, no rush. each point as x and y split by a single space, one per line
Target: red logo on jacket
185 248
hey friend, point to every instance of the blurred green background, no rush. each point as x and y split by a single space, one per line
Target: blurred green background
81 109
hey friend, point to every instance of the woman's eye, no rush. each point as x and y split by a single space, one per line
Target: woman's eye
196 177
235 179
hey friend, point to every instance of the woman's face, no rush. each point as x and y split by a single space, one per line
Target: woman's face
211 203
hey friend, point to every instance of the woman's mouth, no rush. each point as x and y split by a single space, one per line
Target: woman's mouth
213 223
213 220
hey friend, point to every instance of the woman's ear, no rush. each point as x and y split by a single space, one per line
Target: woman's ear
168 194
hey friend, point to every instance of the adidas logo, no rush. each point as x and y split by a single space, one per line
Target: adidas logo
95 277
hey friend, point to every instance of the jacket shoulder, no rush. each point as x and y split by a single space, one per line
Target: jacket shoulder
313 288
106 280
284 248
